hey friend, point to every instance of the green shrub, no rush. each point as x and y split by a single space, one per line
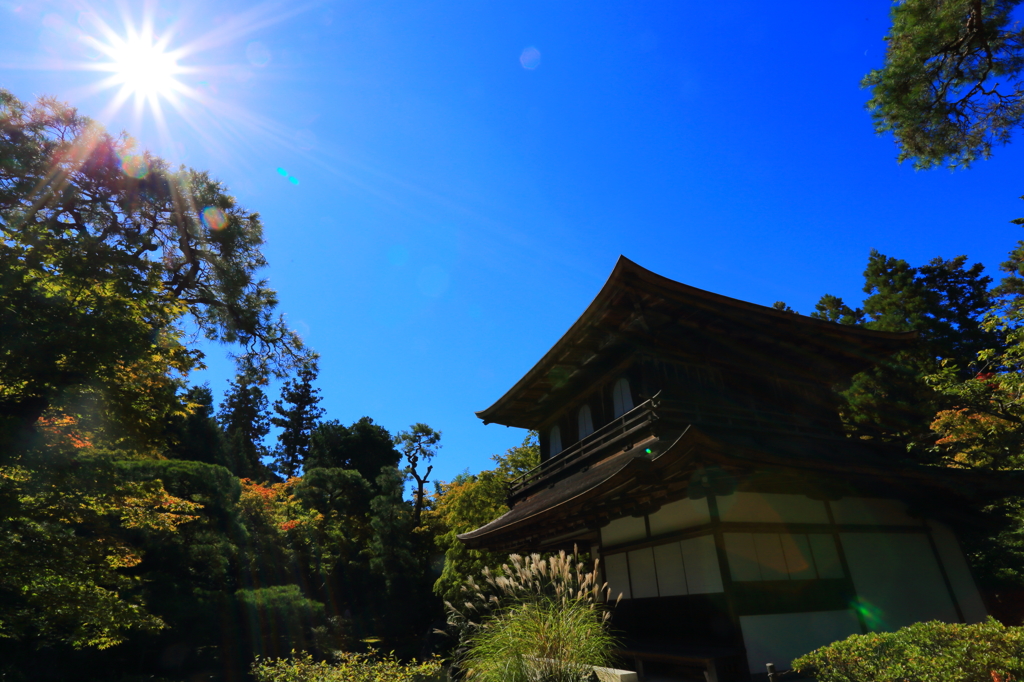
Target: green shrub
347 667
923 652
544 640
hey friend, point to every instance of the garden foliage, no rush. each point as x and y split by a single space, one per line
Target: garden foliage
535 618
923 652
347 667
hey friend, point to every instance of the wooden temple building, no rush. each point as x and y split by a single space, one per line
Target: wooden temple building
693 442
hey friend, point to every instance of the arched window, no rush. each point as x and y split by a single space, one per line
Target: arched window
554 441
622 398
585 422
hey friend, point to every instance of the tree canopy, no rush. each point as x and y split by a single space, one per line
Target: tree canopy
945 301
473 500
951 86
419 445
108 254
363 446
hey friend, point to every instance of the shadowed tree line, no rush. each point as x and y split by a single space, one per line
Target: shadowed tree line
145 531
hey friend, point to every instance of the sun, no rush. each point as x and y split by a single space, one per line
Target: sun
162 72
142 66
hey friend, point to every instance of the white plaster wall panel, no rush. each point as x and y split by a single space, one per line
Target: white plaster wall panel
799 560
616 574
770 557
643 578
668 560
700 557
871 510
742 557
623 530
779 638
680 515
771 508
745 507
826 555
898 578
960 577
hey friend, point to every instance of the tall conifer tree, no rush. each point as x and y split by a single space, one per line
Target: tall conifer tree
245 417
297 414
944 301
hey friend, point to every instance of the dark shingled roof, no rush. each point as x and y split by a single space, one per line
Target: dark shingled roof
637 305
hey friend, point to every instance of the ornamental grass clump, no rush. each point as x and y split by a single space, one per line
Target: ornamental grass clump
536 619
923 652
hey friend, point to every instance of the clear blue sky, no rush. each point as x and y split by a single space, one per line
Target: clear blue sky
461 176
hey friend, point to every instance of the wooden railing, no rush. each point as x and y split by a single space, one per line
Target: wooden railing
614 433
638 423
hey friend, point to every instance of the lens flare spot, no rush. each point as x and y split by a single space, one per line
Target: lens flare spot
294 180
134 165
214 218
282 172
871 614
530 58
257 54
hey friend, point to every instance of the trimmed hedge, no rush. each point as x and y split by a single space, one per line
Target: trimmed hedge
348 667
923 652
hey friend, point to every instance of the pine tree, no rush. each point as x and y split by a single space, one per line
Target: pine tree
951 87
245 417
419 444
945 301
197 436
298 414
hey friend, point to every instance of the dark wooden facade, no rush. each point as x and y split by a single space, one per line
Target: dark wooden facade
693 442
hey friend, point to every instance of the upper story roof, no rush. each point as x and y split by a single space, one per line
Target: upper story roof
639 309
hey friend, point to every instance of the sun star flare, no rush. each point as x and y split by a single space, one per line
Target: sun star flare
142 66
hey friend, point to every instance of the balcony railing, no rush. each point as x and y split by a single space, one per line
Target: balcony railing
615 433
675 415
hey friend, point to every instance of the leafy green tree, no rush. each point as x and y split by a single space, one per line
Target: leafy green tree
196 435
391 550
335 491
943 300
363 446
951 85
298 413
419 445
468 502
399 562
245 419
107 256
63 565
106 252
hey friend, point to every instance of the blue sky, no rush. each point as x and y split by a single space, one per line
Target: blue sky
445 186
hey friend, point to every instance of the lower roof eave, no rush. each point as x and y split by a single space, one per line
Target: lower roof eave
550 512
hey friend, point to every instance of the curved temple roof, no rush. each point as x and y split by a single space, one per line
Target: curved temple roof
637 306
